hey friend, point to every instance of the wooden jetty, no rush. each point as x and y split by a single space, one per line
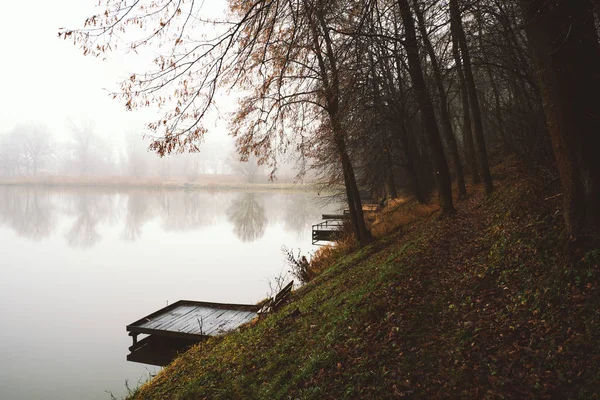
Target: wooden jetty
326 231
175 328
187 319
159 350
329 229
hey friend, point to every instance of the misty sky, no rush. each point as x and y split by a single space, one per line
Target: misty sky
47 80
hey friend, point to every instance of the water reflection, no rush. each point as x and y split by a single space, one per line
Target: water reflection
83 214
28 212
86 262
90 210
300 213
139 211
188 210
247 215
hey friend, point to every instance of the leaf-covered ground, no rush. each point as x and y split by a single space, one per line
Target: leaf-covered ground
481 304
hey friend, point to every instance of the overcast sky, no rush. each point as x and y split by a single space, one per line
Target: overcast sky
47 80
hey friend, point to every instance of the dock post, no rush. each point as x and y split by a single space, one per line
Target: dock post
134 336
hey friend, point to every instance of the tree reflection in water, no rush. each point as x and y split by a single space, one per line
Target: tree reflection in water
90 209
138 213
36 212
189 210
248 217
28 211
300 213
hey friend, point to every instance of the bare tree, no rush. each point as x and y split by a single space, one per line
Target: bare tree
460 38
26 149
440 164
284 53
90 154
36 147
565 46
441 89
248 168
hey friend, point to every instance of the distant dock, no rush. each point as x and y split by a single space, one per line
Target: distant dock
329 230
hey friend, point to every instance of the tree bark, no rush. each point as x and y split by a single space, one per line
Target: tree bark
564 44
459 33
440 165
363 235
446 122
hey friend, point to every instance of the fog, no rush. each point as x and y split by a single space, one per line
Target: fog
85 262
58 117
31 150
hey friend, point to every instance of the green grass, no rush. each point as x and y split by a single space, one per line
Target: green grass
477 305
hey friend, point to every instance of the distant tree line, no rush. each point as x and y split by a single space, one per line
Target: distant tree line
381 94
30 150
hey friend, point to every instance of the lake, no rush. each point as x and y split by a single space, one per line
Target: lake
78 265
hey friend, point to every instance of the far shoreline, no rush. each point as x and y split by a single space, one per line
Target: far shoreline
155 184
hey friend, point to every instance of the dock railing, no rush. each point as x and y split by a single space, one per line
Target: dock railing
326 231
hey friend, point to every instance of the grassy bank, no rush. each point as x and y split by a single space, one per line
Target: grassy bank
481 304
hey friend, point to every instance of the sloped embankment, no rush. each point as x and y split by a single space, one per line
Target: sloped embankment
480 304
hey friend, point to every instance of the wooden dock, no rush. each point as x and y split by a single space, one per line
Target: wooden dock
326 231
159 350
175 328
193 320
329 229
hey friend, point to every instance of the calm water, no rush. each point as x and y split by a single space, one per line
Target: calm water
76 266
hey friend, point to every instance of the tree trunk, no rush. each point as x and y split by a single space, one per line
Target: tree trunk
467 123
564 44
409 149
446 122
391 185
363 234
331 86
406 140
440 165
459 33
390 179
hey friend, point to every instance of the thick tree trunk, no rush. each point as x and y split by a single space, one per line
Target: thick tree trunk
459 33
331 87
409 149
440 165
405 139
445 115
363 234
564 44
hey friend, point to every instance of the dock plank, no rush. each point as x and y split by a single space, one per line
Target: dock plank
199 313
231 322
181 319
163 320
196 324
193 326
